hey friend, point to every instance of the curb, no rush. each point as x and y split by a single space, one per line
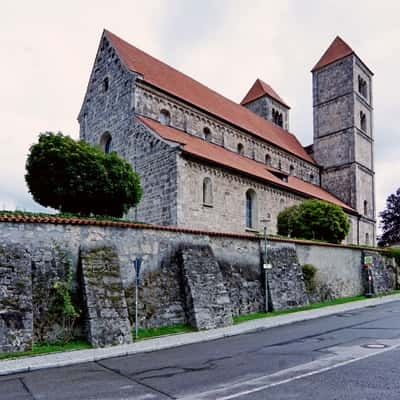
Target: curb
62 359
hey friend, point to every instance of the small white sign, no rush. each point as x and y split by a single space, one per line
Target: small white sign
267 266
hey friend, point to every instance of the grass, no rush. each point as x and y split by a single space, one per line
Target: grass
248 317
165 330
45 348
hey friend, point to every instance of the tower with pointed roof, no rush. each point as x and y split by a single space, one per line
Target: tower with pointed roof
264 101
343 132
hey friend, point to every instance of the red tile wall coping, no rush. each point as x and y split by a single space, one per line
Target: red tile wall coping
132 225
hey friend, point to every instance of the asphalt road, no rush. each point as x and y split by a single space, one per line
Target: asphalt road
355 355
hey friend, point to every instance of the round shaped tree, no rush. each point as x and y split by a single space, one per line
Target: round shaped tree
75 177
314 219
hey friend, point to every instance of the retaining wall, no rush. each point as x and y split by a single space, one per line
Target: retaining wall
162 294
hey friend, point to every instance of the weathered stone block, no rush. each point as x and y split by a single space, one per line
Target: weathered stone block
107 316
285 279
15 298
207 300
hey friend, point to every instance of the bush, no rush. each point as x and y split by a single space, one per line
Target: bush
309 272
74 177
314 219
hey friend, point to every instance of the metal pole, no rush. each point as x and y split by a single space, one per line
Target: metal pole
136 310
265 269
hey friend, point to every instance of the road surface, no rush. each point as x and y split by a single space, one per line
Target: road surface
354 355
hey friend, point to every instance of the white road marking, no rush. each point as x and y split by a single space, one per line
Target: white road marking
339 356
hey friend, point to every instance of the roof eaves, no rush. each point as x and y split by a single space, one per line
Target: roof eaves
259 136
260 179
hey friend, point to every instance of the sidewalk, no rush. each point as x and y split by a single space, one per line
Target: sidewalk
25 364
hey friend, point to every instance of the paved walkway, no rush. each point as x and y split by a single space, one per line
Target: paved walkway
25 364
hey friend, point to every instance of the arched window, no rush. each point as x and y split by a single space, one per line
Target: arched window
251 208
281 204
362 86
279 164
240 149
165 117
311 177
207 191
106 84
363 121
207 134
365 207
280 119
291 170
267 159
106 142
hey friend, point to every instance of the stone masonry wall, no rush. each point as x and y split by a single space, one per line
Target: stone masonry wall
342 146
384 273
16 319
339 273
106 311
109 111
149 102
285 280
263 107
162 293
155 161
207 301
227 210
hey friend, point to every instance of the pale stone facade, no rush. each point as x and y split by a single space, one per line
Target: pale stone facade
173 182
343 121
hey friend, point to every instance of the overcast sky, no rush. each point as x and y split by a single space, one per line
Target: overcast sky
48 48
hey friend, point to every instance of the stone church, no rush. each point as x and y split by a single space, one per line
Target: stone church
209 163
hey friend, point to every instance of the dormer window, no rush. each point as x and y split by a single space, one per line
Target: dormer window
106 84
240 149
165 117
207 134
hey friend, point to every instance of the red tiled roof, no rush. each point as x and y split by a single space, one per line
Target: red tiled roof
217 154
337 50
259 89
176 83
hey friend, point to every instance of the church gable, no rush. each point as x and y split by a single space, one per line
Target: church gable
168 79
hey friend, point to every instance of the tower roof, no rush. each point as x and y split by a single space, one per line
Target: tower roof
259 89
337 50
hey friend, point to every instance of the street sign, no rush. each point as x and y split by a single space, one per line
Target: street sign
268 266
137 264
368 260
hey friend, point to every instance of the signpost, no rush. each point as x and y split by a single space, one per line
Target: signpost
137 263
368 261
266 265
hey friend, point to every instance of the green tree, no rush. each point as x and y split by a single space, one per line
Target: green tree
390 220
314 219
75 177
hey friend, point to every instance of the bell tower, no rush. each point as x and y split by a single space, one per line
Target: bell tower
343 133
